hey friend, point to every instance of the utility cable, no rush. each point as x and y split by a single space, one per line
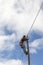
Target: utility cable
33 22
27 36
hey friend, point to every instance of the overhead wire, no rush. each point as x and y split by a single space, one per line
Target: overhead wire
29 33
41 7
33 22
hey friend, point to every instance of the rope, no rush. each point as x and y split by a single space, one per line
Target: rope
33 22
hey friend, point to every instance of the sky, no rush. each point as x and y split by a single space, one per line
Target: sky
16 18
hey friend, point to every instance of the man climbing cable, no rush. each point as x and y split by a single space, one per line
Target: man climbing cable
23 44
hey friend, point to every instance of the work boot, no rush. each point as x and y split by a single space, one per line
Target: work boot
26 52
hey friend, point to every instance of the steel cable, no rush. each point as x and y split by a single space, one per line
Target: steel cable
33 23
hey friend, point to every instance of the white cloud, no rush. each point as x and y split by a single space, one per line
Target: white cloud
6 42
33 51
20 22
36 45
11 62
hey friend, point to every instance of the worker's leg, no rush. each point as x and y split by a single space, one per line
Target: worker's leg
25 48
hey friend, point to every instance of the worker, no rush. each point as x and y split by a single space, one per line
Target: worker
25 38
22 43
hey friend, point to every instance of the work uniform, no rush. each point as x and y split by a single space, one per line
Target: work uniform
23 44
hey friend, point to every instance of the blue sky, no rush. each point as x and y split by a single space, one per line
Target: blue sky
16 18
